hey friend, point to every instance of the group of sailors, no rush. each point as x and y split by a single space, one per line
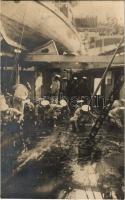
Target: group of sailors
75 87
22 117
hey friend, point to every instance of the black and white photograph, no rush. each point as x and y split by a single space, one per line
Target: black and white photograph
62 99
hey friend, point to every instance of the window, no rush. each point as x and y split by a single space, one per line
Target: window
96 82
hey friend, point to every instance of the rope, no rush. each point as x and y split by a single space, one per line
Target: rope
21 38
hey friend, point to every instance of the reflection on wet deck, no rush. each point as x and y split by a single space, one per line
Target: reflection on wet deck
53 167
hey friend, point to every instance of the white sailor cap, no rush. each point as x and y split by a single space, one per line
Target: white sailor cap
84 77
45 103
85 108
58 76
63 102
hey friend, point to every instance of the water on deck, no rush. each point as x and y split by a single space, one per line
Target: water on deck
56 166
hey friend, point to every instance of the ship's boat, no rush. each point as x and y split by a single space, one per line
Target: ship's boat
29 24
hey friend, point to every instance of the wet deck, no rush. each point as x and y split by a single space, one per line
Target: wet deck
53 167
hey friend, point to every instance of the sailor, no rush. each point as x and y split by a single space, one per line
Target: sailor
39 86
64 83
117 103
48 114
28 124
8 113
65 111
74 86
83 88
80 118
20 95
39 113
73 92
29 89
11 119
55 88
116 114
10 137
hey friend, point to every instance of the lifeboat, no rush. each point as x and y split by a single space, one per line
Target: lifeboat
29 24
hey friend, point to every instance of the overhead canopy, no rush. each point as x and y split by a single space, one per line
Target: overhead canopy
70 59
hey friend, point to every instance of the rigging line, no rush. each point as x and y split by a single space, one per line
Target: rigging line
22 33
20 42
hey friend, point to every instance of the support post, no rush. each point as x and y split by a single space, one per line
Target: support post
17 74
